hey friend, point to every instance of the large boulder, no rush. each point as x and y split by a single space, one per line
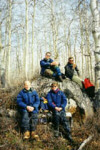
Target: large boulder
73 92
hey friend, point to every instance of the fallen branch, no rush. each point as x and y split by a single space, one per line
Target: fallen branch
3 145
85 142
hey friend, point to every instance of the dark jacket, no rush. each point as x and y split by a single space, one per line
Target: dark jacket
56 99
45 64
69 71
28 98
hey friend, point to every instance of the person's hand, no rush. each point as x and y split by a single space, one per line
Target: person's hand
58 108
30 108
54 64
45 100
74 66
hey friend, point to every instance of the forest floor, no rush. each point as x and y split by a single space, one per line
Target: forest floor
11 137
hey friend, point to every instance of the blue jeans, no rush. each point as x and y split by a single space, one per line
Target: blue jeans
29 121
56 71
60 118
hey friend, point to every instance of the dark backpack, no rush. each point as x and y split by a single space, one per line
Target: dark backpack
89 87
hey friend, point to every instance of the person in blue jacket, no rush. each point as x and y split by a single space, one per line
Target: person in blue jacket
50 68
57 102
28 102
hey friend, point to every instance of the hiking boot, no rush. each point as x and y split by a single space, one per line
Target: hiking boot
70 139
60 78
56 133
34 136
26 135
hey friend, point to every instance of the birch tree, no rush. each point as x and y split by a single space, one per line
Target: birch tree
8 69
26 42
33 21
96 35
82 40
54 30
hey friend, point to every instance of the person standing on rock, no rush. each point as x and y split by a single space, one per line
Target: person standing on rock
28 102
49 68
57 102
72 72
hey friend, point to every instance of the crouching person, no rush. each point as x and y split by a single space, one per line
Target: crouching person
57 102
28 102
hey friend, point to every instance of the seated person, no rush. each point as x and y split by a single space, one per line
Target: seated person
72 72
44 109
57 102
44 104
28 102
50 68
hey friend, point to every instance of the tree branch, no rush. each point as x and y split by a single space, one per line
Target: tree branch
85 142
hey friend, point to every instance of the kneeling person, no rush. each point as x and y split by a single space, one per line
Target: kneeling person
28 102
57 102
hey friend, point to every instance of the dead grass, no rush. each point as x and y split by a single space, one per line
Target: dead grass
11 138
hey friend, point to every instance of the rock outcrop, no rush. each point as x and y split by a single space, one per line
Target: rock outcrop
73 92
76 99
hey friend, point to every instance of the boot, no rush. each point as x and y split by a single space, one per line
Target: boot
34 136
26 135
60 78
69 138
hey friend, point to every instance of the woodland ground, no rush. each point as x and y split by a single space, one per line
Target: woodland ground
11 137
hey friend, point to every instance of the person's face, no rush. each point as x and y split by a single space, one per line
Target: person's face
54 87
71 61
27 85
47 56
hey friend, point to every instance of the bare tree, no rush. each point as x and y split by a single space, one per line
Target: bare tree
26 42
33 21
96 35
8 69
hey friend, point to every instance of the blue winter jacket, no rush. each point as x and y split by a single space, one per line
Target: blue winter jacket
45 64
28 98
56 99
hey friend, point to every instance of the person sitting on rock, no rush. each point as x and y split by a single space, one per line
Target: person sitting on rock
44 104
57 102
49 68
28 102
72 72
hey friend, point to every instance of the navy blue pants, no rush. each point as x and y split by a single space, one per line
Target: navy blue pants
56 71
29 121
60 118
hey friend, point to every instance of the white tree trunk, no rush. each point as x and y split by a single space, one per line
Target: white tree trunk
26 43
96 35
33 37
82 41
54 31
8 69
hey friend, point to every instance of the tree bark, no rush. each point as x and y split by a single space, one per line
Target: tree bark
96 35
82 41
26 48
8 69
54 31
33 17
